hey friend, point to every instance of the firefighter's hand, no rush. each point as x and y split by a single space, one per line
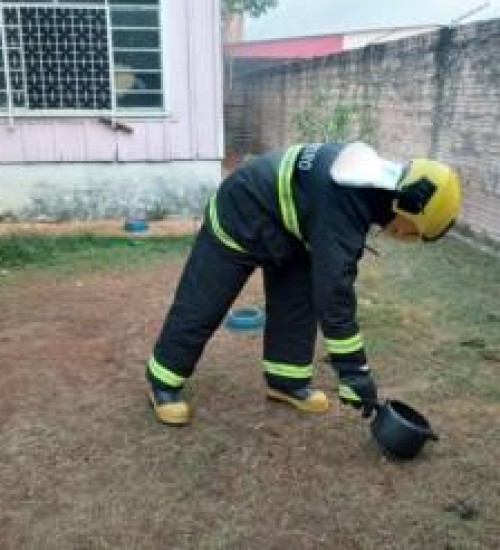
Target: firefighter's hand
358 389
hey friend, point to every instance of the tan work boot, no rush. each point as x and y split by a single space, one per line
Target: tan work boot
304 399
169 406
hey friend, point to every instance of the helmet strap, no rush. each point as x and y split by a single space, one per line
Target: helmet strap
414 197
440 234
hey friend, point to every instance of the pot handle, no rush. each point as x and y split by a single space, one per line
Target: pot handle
375 403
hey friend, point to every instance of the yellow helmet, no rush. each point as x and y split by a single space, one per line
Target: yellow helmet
429 196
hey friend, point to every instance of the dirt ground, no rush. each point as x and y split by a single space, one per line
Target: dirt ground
170 226
84 466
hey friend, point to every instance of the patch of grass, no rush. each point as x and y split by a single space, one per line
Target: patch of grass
83 464
34 250
433 312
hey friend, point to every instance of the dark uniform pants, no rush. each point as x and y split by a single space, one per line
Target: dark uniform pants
211 280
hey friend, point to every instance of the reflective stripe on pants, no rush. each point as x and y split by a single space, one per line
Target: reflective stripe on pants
212 278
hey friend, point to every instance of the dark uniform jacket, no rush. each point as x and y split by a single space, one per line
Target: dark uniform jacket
253 210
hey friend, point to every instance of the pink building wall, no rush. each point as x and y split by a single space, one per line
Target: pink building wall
191 131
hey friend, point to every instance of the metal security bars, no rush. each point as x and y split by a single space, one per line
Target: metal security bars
4 96
58 58
80 58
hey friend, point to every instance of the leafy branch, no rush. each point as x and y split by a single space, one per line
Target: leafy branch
323 123
254 8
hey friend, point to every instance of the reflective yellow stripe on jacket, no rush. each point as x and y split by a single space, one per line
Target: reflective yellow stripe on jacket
285 190
217 229
344 345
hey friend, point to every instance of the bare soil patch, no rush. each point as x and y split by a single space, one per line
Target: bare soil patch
170 226
83 464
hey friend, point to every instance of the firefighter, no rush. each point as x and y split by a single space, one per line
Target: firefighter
302 215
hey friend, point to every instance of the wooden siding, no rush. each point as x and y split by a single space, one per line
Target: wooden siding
192 131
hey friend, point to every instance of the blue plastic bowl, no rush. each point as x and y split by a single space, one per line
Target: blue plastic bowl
245 319
135 225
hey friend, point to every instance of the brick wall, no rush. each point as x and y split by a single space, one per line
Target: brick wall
434 95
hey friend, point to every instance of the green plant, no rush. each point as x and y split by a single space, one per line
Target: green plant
255 8
7 216
158 211
321 122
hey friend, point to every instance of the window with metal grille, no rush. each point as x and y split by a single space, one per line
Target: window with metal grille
80 57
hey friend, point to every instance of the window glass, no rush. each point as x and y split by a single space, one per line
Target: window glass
138 60
126 80
135 2
134 18
137 99
136 39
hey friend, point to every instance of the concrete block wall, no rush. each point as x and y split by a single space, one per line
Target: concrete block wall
436 95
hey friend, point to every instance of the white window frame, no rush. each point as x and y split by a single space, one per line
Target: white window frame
165 111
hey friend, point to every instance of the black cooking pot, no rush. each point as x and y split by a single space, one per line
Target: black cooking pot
400 430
